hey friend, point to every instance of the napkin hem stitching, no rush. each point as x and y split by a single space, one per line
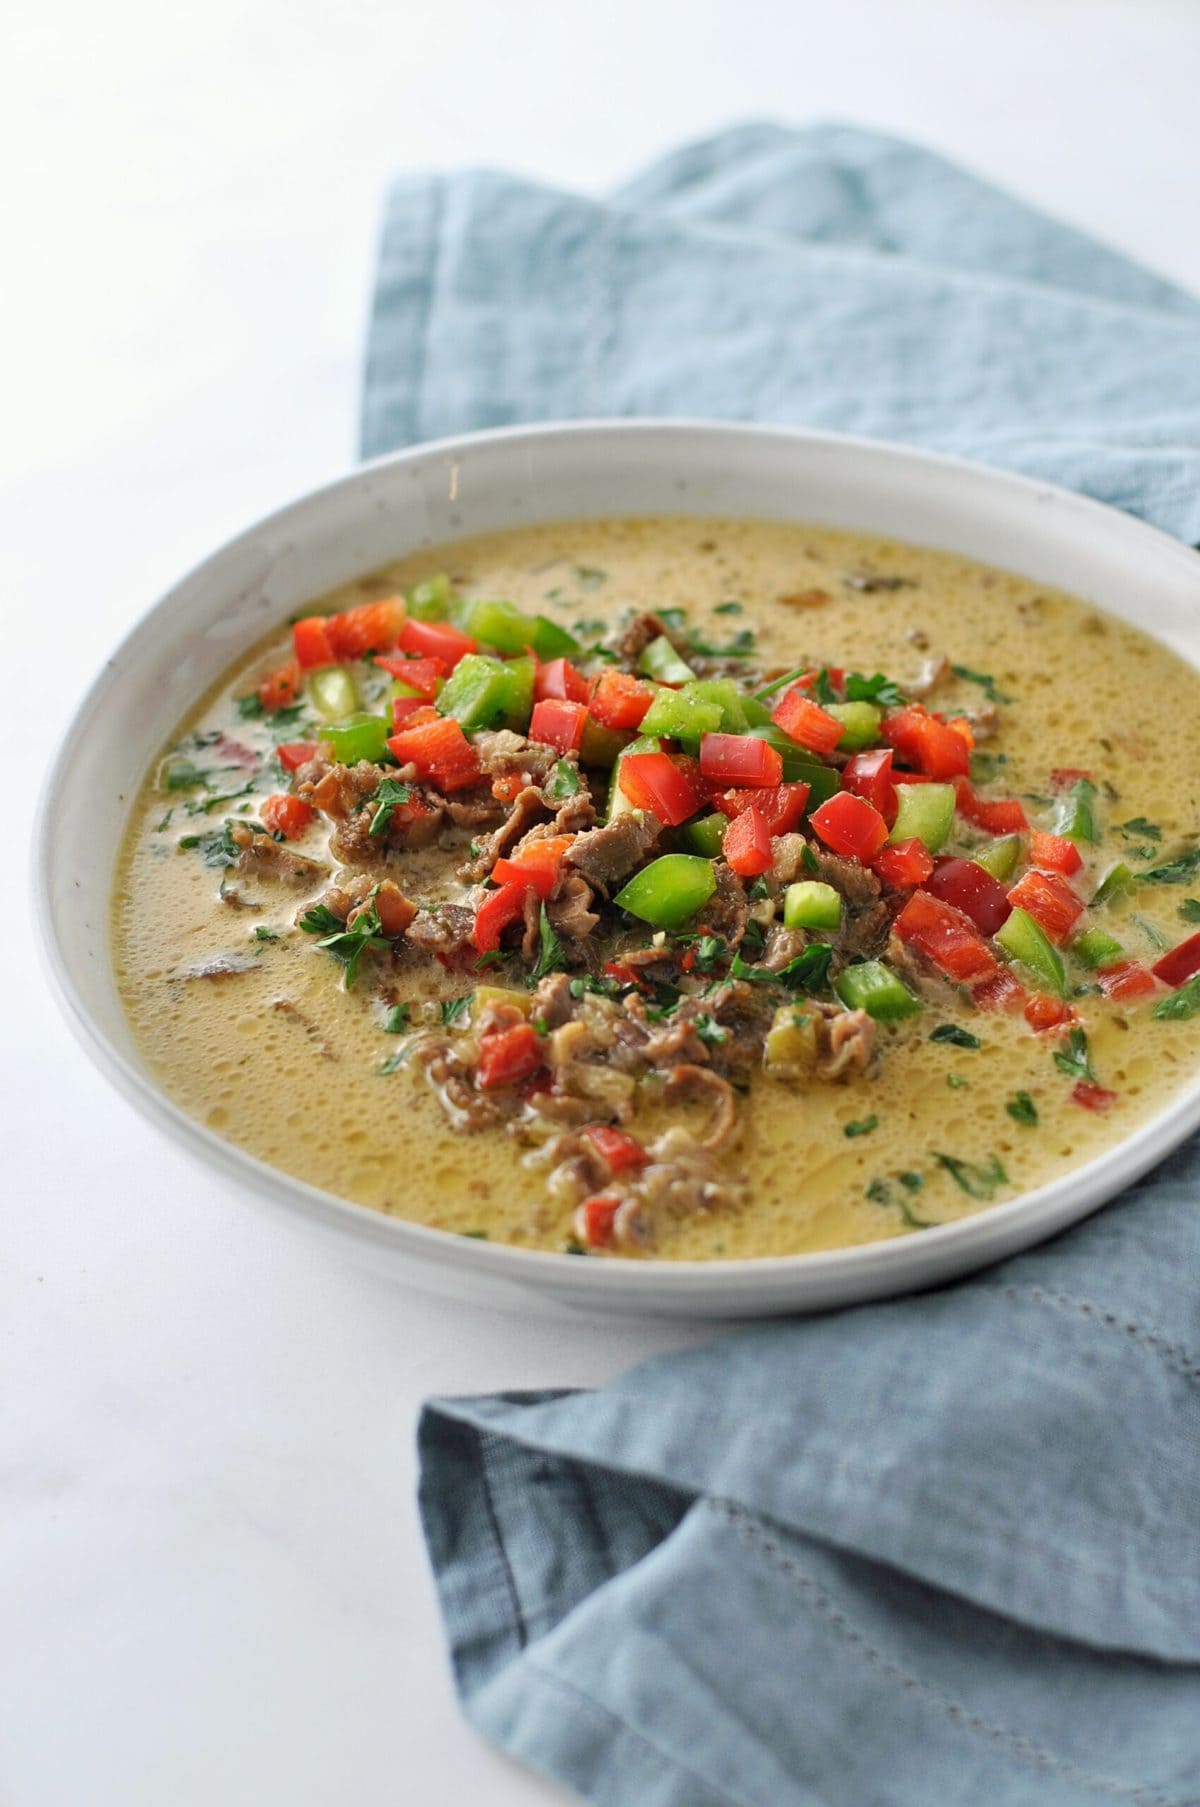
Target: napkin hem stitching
1173 1355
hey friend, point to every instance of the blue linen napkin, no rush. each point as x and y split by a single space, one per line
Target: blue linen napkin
936 1551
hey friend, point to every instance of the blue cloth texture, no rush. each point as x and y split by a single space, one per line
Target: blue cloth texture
943 1550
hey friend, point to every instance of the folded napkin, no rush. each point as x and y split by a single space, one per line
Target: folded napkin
946 1549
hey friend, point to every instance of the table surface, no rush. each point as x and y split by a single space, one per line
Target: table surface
214 1586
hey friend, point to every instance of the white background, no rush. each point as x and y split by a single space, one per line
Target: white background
213 1585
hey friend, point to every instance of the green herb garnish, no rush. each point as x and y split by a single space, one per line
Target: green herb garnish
710 1031
397 1019
262 934
861 1127
1181 1004
387 800
217 848
728 608
551 955
877 689
454 1009
346 944
985 681
976 1182
1022 1109
566 781
958 1038
1074 1061
1189 909
1177 871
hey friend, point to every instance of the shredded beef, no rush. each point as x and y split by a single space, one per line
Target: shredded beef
631 641
552 1001
606 855
473 809
503 754
272 859
782 946
845 1039
446 931
526 808
570 907
728 909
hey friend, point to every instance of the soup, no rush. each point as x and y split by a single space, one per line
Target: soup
727 889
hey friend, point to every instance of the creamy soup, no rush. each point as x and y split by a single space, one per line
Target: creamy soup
743 1025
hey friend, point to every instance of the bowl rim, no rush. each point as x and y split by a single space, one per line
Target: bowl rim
938 1253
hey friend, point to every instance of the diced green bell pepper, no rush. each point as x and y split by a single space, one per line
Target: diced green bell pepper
477 692
757 714
1000 858
1028 944
678 716
430 601
705 835
358 737
1118 881
728 699
601 745
1096 948
404 691
812 905
519 678
798 763
879 991
860 724
660 660
924 812
501 624
668 892
333 692
618 802
1076 818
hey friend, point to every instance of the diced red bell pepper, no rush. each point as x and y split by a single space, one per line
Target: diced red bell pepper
594 1220
1128 979
747 843
904 866
507 1055
973 891
850 826
312 643
421 675
295 753
1180 964
1049 899
1003 991
287 816
806 722
621 1151
869 776
1064 776
624 974
558 680
280 688
781 808
403 710
558 723
946 937
738 759
997 816
933 746
435 640
440 751
1093 1097
496 912
655 782
534 864
1053 853
619 700
834 673
372 627
1044 1013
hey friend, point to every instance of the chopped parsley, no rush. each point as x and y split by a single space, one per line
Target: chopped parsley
200 806
159 827
877 689
1022 1109
590 577
588 628
603 987
1189 909
565 782
809 860
387 799
180 774
263 934
1139 829
985 681
249 707
958 1038
728 608
346 944
394 1061
861 1127
1075 1061
809 971
216 849
709 1030
398 1019
822 687
955 1081
1182 1004
1153 935
551 955
1177 871
977 1182
454 1009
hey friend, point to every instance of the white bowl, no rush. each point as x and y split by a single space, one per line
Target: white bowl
493 480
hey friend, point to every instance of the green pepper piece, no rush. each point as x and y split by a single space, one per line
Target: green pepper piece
812 905
705 835
1000 858
660 660
678 716
924 812
519 678
1117 882
668 892
799 763
333 691
501 624
860 724
1028 944
430 601
758 715
358 737
601 745
1076 818
879 991
618 803
728 699
1096 949
476 693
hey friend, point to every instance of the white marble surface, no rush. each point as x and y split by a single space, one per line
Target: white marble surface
213 1589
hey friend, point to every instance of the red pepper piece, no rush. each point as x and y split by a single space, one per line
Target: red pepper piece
1093 1097
1044 1013
850 826
619 700
372 627
998 816
440 751
747 843
933 746
904 866
594 1220
403 710
280 688
558 723
1128 979
834 673
1049 899
421 675
1054 853
311 641
295 753
806 722
780 808
507 1055
1001 992
496 912
973 891
558 681
945 936
655 782
435 640
738 759
621 1151
1180 964
869 776
1064 776
286 815
536 864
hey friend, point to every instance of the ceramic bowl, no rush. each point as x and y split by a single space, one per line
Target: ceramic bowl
493 480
